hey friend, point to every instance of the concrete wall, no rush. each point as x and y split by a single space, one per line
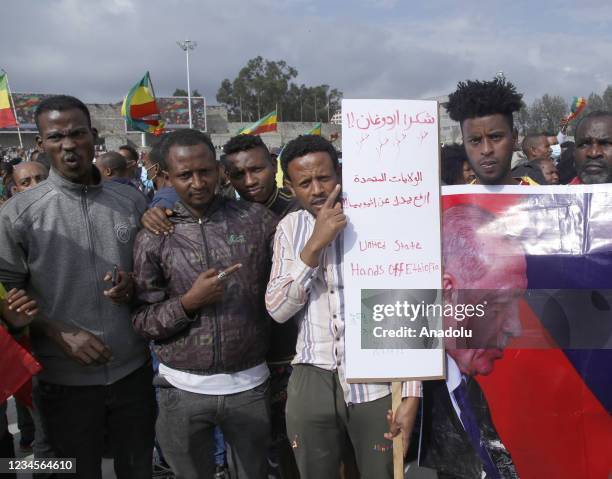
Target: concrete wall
111 129
286 131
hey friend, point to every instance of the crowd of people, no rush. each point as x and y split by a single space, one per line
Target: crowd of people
187 312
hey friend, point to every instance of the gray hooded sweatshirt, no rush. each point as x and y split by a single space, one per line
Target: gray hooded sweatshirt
57 240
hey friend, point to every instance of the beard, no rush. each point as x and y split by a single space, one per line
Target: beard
603 176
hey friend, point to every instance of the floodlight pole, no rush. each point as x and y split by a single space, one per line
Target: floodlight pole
186 46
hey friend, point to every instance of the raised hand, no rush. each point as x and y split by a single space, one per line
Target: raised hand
207 289
330 221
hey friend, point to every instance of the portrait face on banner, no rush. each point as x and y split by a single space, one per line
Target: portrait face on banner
554 248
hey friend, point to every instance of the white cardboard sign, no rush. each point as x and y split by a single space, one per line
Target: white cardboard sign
391 196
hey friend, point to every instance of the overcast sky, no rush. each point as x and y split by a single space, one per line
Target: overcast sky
96 50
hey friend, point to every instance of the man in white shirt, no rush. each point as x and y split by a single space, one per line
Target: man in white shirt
306 283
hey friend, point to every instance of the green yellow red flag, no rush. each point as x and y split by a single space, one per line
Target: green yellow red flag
7 116
316 130
140 108
265 124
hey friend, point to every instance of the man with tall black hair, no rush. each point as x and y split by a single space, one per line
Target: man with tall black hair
60 240
484 111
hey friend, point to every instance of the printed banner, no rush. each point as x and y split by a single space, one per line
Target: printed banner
542 398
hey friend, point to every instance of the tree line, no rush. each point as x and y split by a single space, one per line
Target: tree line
263 86
545 113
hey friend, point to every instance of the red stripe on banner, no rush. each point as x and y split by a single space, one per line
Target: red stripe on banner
146 109
7 118
264 129
496 204
547 417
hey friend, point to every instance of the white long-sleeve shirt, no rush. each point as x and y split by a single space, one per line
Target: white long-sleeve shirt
314 297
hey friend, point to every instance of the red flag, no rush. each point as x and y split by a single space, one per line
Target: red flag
17 366
7 118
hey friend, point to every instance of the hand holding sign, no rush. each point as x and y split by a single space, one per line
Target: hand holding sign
330 221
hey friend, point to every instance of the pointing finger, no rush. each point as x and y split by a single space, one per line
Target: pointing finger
331 199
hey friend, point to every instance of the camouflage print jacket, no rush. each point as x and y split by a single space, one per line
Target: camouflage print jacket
230 335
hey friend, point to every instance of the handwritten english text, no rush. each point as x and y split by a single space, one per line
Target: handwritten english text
395 270
397 245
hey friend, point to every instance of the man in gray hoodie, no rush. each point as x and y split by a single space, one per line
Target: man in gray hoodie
68 242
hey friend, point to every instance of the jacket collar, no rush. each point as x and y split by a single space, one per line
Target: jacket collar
69 187
272 198
184 215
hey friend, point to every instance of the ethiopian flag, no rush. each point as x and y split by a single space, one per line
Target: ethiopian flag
140 108
7 117
316 130
267 123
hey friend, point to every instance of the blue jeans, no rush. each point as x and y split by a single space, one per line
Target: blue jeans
186 422
219 447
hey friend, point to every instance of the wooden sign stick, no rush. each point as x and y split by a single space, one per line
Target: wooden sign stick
398 446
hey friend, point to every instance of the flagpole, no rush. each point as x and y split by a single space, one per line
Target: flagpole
8 87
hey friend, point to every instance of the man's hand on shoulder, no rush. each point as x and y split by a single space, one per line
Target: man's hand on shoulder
329 223
156 220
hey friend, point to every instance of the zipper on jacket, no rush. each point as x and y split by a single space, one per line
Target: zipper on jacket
92 257
216 329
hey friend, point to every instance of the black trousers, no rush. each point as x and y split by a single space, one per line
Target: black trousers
76 418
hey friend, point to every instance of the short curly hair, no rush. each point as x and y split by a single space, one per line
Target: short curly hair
244 143
475 98
186 137
303 145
